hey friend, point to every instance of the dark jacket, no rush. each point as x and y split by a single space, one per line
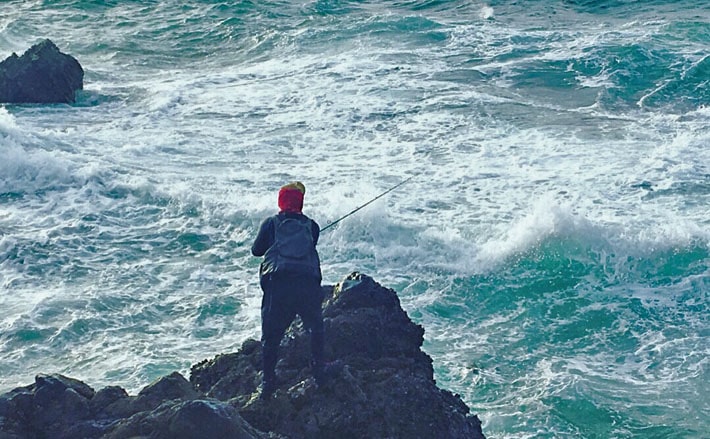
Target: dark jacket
266 236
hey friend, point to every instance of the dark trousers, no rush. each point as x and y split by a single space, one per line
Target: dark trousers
284 298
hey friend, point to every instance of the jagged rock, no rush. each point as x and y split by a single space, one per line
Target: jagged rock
48 407
196 419
59 407
230 375
384 389
105 398
173 387
42 75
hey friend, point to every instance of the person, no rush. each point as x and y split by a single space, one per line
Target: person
290 277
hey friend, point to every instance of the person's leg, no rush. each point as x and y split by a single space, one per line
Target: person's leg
275 318
311 313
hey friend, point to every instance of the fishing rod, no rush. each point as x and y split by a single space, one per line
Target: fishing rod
369 202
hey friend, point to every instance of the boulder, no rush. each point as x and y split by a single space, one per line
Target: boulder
195 419
42 75
47 408
114 403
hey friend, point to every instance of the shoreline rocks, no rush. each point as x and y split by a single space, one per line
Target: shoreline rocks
385 388
42 75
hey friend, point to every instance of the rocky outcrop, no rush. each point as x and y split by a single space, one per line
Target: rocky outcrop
42 75
383 389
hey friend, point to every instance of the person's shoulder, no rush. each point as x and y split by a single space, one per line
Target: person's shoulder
313 223
297 216
269 220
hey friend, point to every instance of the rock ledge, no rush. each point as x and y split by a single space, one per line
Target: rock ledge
385 389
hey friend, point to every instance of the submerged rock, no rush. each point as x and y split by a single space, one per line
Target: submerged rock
383 389
42 75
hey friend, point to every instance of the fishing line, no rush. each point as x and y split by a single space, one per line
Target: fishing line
369 202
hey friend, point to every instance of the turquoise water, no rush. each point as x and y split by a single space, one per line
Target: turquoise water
554 243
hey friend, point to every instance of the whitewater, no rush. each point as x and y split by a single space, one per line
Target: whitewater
553 241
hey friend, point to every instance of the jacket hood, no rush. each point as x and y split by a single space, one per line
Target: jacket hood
291 198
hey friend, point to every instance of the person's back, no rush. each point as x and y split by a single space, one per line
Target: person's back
288 244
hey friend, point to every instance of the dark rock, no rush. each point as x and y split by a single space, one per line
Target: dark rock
56 384
196 419
15 412
59 402
199 419
47 408
229 375
384 388
105 397
42 75
173 387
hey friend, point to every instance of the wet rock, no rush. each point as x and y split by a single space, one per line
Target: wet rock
41 75
383 388
106 398
196 419
59 407
113 405
50 406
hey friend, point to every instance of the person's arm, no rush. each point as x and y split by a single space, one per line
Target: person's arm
264 239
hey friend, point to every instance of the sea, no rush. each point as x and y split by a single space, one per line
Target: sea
548 223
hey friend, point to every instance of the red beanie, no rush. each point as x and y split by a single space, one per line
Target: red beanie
291 197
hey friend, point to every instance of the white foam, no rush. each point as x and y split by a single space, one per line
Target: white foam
546 218
486 13
7 122
22 171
